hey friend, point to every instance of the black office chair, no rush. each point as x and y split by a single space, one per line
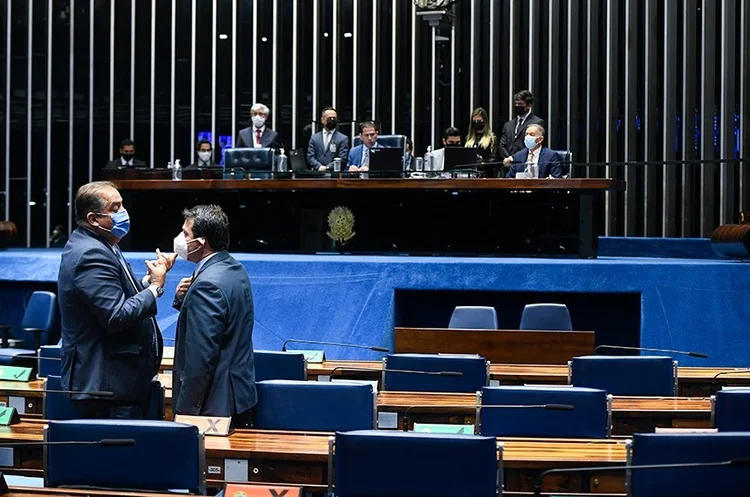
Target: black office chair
566 161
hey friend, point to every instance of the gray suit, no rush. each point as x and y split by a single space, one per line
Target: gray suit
214 367
268 139
320 155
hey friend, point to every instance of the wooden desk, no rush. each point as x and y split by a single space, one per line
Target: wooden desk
504 346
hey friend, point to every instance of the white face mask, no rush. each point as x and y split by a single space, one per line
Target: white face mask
180 246
530 142
259 121
204 156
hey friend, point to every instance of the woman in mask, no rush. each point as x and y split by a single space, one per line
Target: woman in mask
482 138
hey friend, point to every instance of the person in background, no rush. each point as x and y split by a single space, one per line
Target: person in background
514 131
451 138
127 156
359 156
258 135
327 144
534 155
204 152
482 138
408 158
58 238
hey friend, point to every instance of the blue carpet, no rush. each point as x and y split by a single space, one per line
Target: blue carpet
687 304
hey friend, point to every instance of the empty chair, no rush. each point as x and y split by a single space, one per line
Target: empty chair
279 366
399 464
40 322
546 317
315 406
473 318
462 373
730 409
669 448
590 417
625 375
566 162
49 361
165 456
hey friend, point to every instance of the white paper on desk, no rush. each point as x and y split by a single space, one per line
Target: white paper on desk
686 430
471 356
374 383
168 353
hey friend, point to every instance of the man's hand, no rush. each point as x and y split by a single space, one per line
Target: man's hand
364 169
182 288
167 260
323 168
507 160
157 270
353 169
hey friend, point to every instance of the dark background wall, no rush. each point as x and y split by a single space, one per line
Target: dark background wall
618 81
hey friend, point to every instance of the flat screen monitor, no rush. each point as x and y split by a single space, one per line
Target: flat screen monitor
249 159
460 156
386 162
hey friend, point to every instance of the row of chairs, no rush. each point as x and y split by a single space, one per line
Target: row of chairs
545 317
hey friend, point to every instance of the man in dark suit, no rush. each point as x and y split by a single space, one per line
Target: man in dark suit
328 144
127 156
535 160
204 151
214 368
110 339
359 156
258 135
514 131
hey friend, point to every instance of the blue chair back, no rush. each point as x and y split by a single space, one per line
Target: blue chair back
42 313
667 448
279 366
566 160
475 373
51 366
387 141
590 418
401 464
546 317
730 409
166 455
474 318
315 406
625 375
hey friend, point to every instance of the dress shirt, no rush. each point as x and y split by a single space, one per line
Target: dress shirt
256 138
522 119
327 135
201 262
438 159
126 163
533 158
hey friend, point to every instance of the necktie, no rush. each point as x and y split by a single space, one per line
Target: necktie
365 157
519 124
257 137
326 140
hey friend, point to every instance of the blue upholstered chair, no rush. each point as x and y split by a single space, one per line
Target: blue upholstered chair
59 406
625 375
166 455
474 373
566 161
474 318
387 141
668 448
591 416
40 322
546 317
49 361
314 406
730 409
401 464
279 366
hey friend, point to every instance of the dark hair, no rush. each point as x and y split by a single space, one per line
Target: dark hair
326 109
201 142
211 223
524 95
368 124
126 142
89 199
451 131
410 144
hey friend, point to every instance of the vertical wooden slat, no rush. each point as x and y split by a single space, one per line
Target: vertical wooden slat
610 132
727 214
689 204
708 102
669 103
632 60
651 215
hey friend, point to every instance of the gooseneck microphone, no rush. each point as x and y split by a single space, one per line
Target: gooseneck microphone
449 374
733 462
648 349
352 345
105 442
549 407
732 371
93 393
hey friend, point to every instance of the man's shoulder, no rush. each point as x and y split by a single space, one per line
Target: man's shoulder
113 164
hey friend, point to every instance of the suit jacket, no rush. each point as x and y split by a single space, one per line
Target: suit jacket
355 154
318 155
269 138
107 325
512 142
549 163
214 367
114 164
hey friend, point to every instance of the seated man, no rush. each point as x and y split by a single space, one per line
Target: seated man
328 144
534 156
258 135
359 156
451 138
204 151
126 158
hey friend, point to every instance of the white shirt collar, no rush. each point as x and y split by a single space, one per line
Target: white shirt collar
126 162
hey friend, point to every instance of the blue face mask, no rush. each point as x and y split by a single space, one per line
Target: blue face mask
120 223
529 141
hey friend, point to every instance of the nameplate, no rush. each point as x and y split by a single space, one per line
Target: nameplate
313 356
207 425
444 428
236 490
8 416
13 373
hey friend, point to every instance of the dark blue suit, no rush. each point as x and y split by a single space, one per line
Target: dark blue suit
214 367
355 154
318 155
549 163
107 326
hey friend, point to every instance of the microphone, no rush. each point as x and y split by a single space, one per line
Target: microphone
93 393
352 345
733 371
549 407
745 461
105 442
449 374
683 352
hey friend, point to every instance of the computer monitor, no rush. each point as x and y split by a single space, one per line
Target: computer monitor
386 162
460 156
249 159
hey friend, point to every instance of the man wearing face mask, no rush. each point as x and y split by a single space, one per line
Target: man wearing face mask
514 131
204 151
214 367
451 138
110 339
328 144
258 135
127 157
535 160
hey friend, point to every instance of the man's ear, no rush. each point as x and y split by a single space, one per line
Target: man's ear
91 218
